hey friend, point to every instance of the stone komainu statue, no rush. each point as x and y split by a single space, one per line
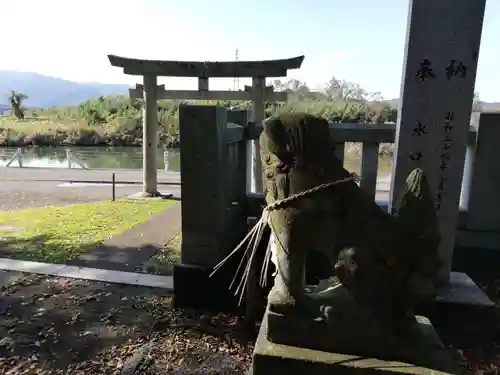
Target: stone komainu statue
384 263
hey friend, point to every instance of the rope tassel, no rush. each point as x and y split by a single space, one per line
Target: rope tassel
252 239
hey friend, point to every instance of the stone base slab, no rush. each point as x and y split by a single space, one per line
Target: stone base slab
462 290
275 359
144 195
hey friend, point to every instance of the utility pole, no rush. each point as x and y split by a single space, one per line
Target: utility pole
236 80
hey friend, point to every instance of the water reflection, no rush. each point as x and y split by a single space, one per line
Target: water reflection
90 157
131 158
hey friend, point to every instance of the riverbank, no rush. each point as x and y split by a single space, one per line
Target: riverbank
43 133
117 120
47 132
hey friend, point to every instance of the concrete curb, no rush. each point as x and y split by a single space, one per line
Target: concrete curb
86 273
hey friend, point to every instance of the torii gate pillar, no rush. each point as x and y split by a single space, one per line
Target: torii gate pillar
149 92
150 137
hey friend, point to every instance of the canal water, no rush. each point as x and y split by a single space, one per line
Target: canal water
90 157
131 158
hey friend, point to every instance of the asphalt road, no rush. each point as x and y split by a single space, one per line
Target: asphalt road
27 194
84 175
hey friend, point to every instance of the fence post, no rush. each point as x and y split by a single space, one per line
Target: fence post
253 298
165 159
235 166
202 174
68 157
369 168
339 151
258 115
240 117
484 196
20 157
470 155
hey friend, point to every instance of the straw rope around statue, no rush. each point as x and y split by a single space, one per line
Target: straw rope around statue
254 237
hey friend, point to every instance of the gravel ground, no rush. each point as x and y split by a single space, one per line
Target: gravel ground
27 194
7 277
51 325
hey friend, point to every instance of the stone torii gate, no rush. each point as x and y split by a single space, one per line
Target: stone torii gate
151 92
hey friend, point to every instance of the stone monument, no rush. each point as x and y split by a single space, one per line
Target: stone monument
362 321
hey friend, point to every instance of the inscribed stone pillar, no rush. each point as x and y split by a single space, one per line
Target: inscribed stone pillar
484 198
150 136
202 174
442 48
258 115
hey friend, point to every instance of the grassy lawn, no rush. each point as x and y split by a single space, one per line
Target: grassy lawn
164 261
57 233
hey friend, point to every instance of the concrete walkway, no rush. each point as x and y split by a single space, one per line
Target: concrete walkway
130 250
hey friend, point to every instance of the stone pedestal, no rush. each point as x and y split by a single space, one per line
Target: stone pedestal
425 355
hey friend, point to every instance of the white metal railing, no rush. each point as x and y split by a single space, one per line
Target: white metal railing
371 136
18 156
70 158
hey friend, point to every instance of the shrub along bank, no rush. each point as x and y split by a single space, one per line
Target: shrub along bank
117 121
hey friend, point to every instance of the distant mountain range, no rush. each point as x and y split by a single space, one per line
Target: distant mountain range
45 92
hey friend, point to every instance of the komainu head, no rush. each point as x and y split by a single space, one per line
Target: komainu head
298 146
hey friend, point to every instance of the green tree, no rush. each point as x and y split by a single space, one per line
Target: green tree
16 100
117 120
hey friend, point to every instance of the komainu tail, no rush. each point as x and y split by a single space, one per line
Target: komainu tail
416 206
417 219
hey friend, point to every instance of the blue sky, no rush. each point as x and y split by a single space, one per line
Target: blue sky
358 40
